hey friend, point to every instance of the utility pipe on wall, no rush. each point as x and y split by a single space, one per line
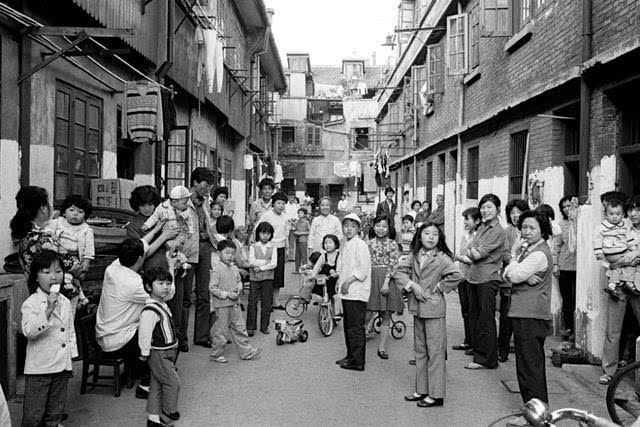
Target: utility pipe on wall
585 102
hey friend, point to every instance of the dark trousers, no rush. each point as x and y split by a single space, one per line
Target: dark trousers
354 313
482 316
130 352
263 291
203 317
175 304
45 397
463 294
505 330
567 284
529 336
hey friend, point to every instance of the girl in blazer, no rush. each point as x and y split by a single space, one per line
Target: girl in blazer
426 275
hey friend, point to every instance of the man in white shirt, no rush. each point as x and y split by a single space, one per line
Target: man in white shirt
121 303
291 211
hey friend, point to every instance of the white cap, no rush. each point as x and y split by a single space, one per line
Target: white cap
179 192
352 217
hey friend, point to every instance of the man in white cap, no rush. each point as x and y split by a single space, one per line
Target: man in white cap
354 281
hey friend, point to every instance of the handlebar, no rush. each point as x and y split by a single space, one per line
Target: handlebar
537 414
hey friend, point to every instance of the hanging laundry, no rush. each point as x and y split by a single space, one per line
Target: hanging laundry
210 53
219 63
259 169
423 98
202 55
169 119
278 175
248 161
347 169
362 88
369 185
142 112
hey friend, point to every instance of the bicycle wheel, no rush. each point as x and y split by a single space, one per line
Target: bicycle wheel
623 395
398 329
377 323
325 321
294 307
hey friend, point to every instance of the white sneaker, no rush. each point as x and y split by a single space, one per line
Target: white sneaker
253 354
219 359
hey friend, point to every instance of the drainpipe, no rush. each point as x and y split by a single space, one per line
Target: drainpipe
161 74
585 102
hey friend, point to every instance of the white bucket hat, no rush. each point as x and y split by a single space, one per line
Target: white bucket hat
179 192
352 217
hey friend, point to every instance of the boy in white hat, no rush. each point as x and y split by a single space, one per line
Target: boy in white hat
175 213
354 283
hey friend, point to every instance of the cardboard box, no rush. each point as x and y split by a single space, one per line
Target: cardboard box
111 193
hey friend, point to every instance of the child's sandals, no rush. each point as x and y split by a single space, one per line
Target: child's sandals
219 359
383 354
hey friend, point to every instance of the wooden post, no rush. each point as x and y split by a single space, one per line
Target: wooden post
525 169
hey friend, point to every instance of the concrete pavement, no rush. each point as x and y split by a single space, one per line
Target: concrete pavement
299 383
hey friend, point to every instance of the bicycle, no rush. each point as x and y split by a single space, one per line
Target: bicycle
398 327
623 395
296 306
538 414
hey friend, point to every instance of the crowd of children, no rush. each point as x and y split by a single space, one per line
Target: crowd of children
364 274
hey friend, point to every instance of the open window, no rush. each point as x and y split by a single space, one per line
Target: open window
473 172
362 139
435 69
458 44
288 135
517 156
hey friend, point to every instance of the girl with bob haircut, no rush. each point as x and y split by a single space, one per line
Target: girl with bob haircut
426 275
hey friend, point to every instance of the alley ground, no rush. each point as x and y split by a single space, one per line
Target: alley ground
299 383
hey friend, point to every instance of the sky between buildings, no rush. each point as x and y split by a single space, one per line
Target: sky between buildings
330 30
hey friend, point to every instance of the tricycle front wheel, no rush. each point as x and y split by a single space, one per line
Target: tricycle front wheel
304 335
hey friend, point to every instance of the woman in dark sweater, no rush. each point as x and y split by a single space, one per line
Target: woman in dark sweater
531 272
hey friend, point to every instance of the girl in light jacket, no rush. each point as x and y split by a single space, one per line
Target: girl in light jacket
426 275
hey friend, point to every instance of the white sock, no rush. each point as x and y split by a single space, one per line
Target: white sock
154 418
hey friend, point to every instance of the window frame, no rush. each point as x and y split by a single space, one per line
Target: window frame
169 147
519 21
364 136
435 69
293 134
495 9
517 165
199 155
454 39
72 149
313 136
474 38
473 172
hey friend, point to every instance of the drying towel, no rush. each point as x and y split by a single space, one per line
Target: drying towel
142 115
210 52
219 64
347 169
202 54
278 178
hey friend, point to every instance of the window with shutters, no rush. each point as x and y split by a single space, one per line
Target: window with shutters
77 140
314 136
435 69
522 13
494 18
458 44
516 161
473 169
474 38
406 11
419 79
199 155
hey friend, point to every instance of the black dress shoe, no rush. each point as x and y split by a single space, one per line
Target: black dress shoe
352 367
436 402
412 362
413 398
141 393
206 344
342 361
184 347
503 356
173 416
469 352
278 307
461 347
265 331
155 424
250 332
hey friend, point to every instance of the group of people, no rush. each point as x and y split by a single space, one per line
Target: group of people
190 243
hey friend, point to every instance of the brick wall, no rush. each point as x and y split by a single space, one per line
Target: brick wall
614 22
